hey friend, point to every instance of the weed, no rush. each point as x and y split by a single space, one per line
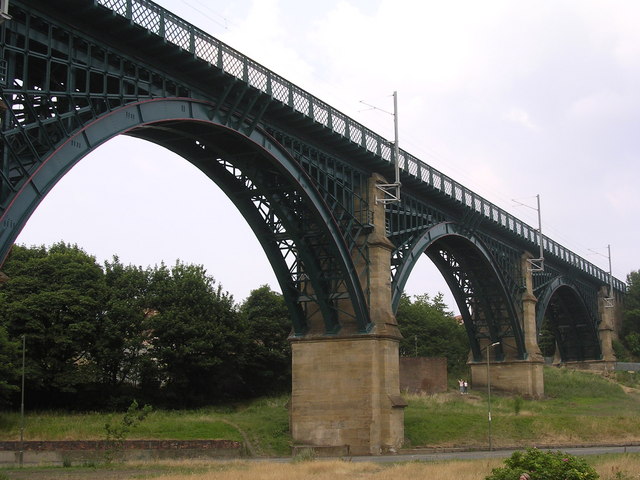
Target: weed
305 455
116 434
517 404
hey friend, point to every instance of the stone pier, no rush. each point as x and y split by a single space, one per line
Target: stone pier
520 376
346 387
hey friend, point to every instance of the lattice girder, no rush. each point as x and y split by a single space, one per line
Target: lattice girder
59 81
486 301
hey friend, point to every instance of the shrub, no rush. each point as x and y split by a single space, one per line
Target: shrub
517 404
542 465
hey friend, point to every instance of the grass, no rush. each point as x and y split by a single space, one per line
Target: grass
609 467
579 408
263 423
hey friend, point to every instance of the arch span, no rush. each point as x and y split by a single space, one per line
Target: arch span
572 324
475 281
291 219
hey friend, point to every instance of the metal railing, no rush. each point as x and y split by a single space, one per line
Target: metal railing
205 47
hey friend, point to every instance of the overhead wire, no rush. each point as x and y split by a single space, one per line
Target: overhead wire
415 147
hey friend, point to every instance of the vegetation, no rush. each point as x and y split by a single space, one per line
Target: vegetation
580 408
116 433
429 329
98 337
631 323
539 465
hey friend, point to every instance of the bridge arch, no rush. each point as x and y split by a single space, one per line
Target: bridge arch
477 284
310 258
571 320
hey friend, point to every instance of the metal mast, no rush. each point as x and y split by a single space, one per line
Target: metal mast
392 190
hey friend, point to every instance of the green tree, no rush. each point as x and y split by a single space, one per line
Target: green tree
429 329
9 367
631 319
119 350
547 339
54 296
267 367
196 339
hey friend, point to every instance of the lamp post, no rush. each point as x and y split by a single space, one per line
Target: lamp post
489 390
24 344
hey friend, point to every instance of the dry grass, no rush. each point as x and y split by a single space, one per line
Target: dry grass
342 470
611 467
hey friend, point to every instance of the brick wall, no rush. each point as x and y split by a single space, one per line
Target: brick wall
423 375
64 445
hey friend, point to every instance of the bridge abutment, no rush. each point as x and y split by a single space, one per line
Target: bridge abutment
346 387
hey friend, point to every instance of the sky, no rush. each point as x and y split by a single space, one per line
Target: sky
512 99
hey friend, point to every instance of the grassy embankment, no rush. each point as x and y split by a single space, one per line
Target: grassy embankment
580 408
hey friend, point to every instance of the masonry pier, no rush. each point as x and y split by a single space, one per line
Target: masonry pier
346 387
520 376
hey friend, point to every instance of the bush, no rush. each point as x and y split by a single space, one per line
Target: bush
544 466
620 351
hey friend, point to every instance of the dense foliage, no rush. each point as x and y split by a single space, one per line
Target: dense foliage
631 322
430 330
98 336
543 465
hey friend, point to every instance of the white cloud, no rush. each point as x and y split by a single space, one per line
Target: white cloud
520 117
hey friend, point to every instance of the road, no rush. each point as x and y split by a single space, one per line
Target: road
475 455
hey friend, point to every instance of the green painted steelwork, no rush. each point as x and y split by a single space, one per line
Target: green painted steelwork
296 168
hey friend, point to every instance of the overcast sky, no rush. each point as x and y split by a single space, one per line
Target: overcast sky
509 98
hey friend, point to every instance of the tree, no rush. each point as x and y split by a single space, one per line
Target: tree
267 327
53 296
119 350
631 321
195 336
9 370
430 330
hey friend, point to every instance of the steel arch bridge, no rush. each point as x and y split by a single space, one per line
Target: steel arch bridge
76 73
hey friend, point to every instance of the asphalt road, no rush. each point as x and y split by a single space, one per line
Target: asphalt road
474 455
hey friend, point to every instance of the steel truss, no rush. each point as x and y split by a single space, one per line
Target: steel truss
485 276
571 306
66 94
481 272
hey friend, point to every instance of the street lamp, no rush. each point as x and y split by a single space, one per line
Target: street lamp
24 344
489 390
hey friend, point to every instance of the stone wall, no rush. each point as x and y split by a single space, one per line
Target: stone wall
59 452
423 375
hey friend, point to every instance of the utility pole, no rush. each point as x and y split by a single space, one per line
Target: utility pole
537 264
608 300
391 191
